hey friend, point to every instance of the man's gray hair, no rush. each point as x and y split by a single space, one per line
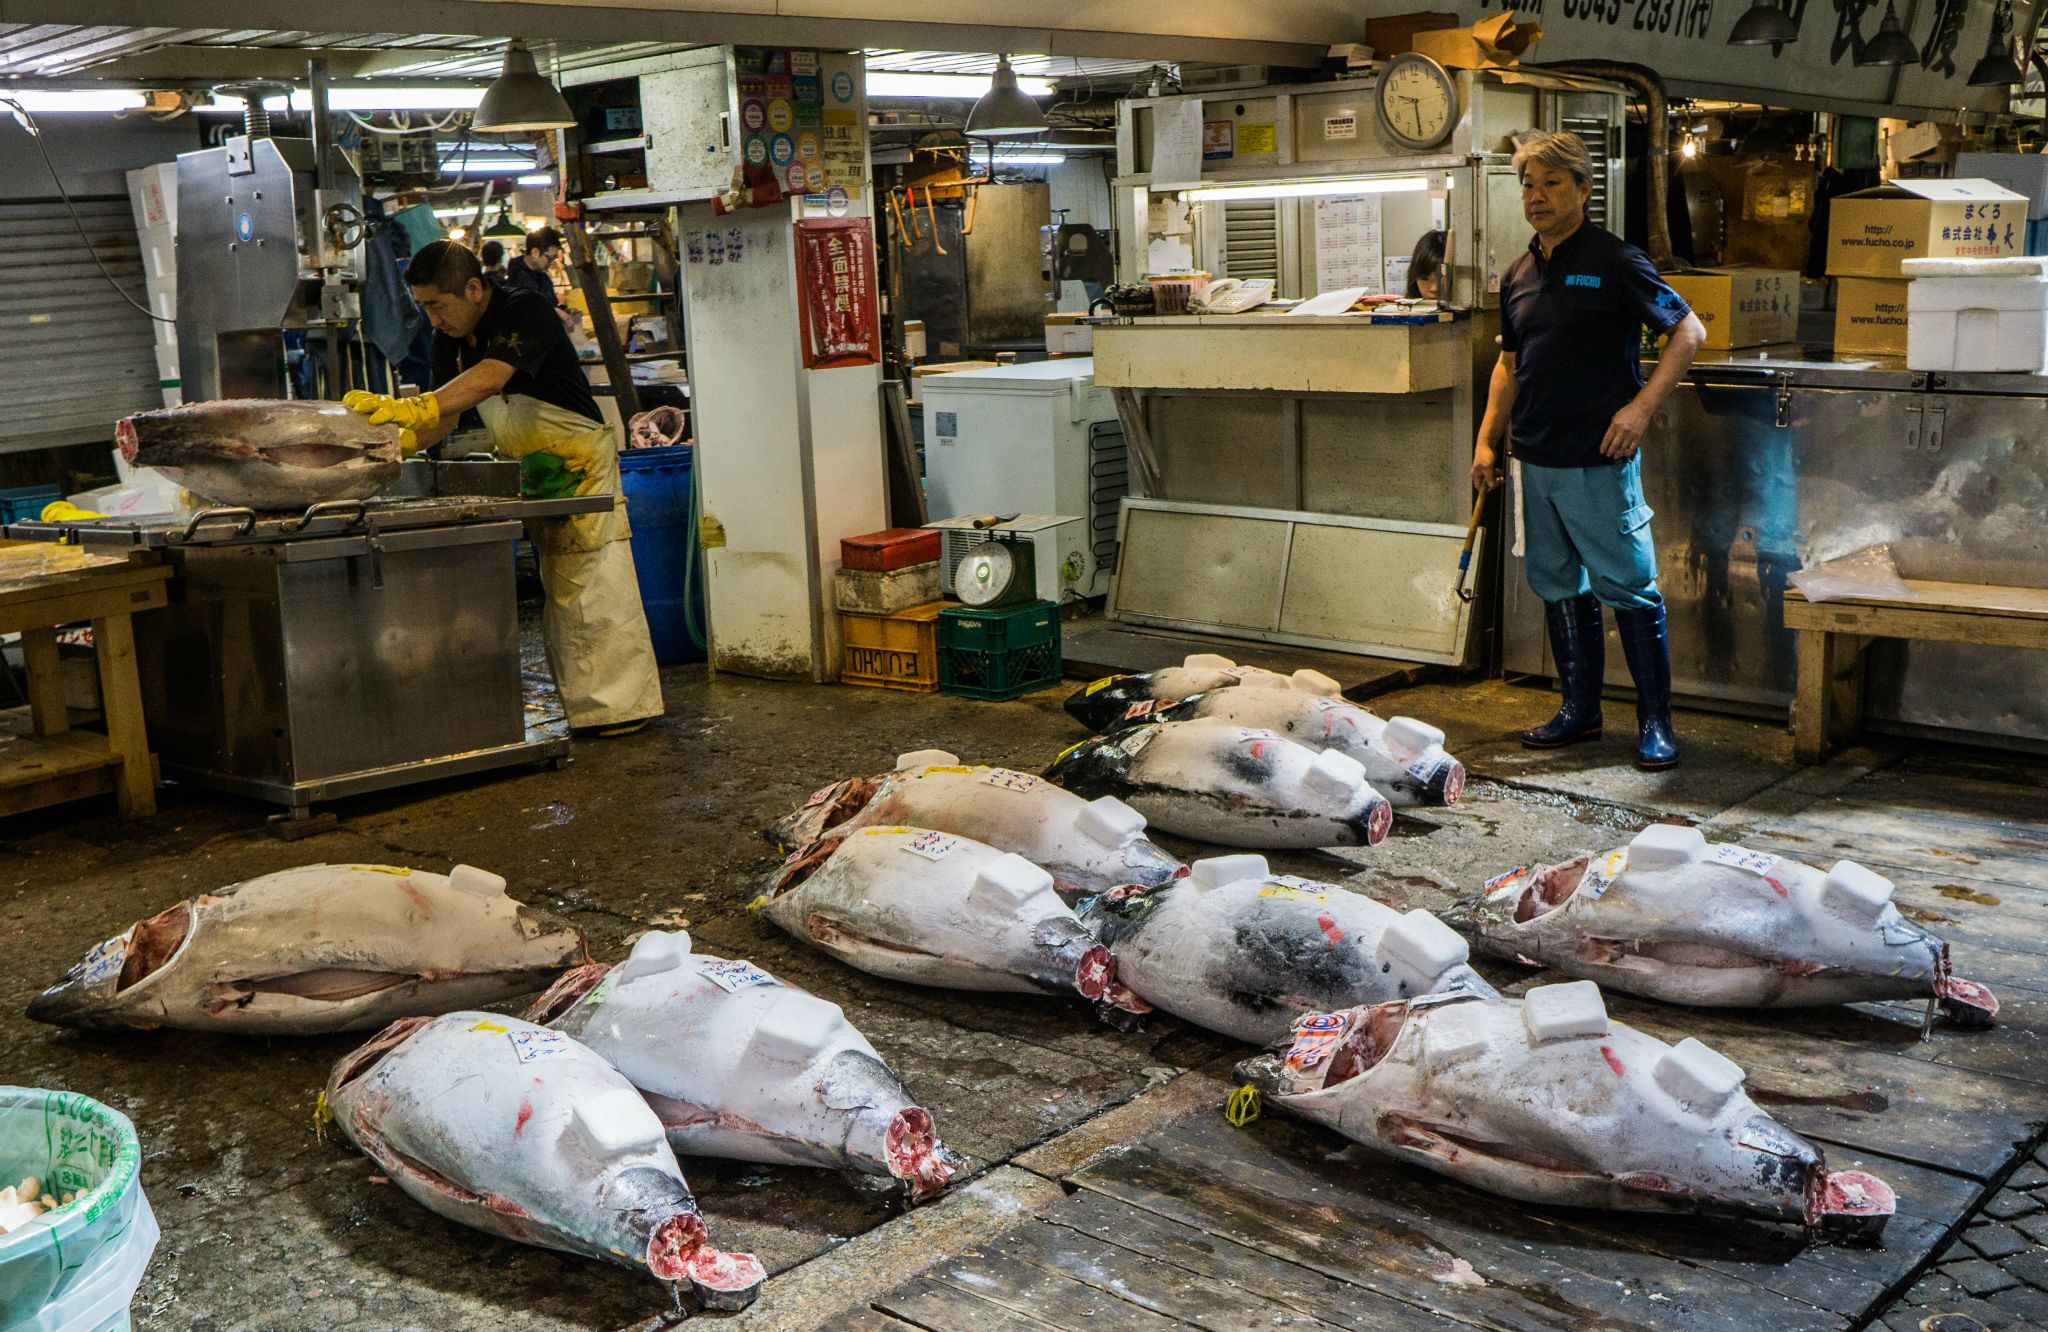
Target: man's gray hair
1559 152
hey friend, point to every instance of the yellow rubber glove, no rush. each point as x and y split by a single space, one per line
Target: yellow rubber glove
418 414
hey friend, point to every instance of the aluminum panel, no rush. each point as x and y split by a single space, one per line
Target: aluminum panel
1365 457
1216 569
1396 588
1204 440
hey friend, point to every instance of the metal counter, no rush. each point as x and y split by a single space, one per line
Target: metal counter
1764 462
352 648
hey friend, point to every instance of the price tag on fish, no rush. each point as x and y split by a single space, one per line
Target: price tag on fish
1256 733
103 963
1315 1036
1500 881
1742 858
819 797
1146 708
931 845
1011 781
730 975
1602 873
531 1044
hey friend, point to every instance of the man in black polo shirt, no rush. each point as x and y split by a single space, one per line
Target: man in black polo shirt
504 353
1569 393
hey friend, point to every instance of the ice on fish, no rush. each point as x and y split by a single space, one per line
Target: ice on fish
1088 846
521 1131
1232 785
1102 704
1673 917
316 949
737 1063
935 908
264 453
1548 1101
1243 951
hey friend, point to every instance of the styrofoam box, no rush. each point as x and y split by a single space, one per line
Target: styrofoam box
1988 324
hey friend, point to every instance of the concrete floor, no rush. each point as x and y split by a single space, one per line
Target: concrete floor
266 1226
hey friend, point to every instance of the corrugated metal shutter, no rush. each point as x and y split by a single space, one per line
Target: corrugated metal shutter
74 357
1592 131
1251 238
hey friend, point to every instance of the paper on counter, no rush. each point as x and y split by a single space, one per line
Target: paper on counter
1335 302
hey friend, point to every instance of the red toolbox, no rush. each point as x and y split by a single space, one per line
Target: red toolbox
897 548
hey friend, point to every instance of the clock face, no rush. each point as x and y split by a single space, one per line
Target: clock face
1417 102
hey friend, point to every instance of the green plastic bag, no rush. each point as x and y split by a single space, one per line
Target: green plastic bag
75 1269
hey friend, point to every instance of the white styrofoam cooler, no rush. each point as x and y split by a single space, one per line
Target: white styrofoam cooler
1977 323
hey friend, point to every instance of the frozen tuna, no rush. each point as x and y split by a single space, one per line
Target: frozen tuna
315 949
1548 1101
1101 704
518 1130
264 453
1088 846
1402 756
1231 785
1240 950
739 1064
1670 917
933 908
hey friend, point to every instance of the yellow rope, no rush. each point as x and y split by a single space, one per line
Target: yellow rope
1243 1106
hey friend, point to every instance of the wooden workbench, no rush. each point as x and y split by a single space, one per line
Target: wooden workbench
42 760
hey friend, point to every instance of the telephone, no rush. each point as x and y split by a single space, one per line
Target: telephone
1233 296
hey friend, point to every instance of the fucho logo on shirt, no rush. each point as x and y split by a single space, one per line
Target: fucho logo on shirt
1581 280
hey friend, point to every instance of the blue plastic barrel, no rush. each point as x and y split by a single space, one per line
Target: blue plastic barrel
665 554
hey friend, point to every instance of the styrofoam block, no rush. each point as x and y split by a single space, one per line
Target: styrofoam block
2010 341
1207 661
1996 293
926 758
654 953
1334 773
1007 883
796 1028
1454 1033
1254 677
1555 1012
1109 821
1698 1076
1315 682
1852 891
1215 871
1408 738
2011 265
470 879
616 1122
1423 947
1665 846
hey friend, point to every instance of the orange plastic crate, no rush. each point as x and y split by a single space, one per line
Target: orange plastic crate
899 651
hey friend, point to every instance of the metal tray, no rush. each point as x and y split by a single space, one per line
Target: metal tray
232 526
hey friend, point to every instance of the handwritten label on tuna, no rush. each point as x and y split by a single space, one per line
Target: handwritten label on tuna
1287 892
531 1044
1742 858
1604 872
1011 781
819 797
1256 733
730 975
1145 708
104 962
931 845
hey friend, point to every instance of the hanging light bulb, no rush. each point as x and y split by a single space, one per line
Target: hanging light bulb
1004 112
1998 68
1889 45
521 98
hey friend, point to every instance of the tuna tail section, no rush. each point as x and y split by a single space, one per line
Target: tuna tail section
912 1151
661 1208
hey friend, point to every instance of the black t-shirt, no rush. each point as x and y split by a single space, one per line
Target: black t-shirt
522 330
526 277
1574 324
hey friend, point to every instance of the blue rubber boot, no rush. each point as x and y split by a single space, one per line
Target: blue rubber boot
1578 644
1649 660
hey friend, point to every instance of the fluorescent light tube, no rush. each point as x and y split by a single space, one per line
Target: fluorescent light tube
1299 189
965 87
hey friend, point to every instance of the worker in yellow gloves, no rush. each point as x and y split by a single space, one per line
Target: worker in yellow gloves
505 353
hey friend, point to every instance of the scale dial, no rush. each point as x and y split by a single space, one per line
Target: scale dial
1417 101
985 573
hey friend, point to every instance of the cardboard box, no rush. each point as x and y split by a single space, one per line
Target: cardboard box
1870 316
1871 232
1741 307
1495 42
2022 173
1395 33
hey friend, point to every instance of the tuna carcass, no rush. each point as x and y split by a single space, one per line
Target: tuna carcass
1548 1101
1232 785
1670 917
1100 705
264 453
1240 950
514 1129
1402 756
1088 846
316 949
933 908
739 1064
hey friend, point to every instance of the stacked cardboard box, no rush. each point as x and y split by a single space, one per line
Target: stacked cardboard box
1872 232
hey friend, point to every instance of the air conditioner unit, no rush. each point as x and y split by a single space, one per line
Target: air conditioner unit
1214 78
1060 549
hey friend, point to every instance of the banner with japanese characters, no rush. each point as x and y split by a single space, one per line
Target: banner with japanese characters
836 303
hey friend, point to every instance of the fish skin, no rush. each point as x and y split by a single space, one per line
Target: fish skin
740 1064
1101 704
1601 1115
262 453
960 916
257 957
1011 811
1245 954
1717 927
1402 756
548 1145
1230 785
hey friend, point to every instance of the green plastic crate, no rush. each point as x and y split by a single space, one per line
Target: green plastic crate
999 654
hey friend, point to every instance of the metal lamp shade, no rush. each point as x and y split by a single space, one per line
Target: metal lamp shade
1004 112
1763 25
1889 45
520 99
1996 69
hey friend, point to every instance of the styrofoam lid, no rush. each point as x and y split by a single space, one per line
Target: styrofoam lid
1215 871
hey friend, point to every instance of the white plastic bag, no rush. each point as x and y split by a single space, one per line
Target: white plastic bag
1870 572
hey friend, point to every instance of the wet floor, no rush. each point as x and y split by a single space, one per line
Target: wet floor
268 1226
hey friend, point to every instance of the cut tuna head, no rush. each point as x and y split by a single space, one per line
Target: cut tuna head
265 454
1101 704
